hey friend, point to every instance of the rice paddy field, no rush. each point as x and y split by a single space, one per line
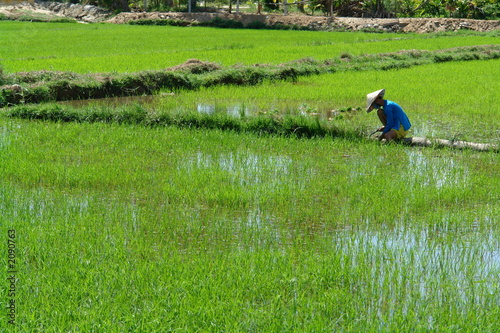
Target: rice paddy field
118 227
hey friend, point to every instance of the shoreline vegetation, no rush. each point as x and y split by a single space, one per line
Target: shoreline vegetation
296 126
50 86
267 124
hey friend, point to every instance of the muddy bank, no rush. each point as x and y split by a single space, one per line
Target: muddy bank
418 25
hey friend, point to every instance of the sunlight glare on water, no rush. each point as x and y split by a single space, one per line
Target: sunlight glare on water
245 168
439 172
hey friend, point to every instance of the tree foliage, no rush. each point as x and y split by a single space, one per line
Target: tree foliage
475 9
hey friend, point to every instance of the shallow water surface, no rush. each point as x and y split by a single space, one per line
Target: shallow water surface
439 172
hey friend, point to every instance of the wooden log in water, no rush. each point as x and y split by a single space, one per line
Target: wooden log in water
424 142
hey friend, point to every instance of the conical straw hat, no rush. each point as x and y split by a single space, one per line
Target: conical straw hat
370 98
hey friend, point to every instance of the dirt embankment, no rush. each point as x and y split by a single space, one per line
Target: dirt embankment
91 14
49 11
418 25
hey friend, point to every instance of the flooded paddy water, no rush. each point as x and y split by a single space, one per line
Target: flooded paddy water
236 109
347 116
387 233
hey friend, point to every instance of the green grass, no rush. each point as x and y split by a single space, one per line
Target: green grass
448 100
273 124
126 228
122 227
125 48
43 86
292 108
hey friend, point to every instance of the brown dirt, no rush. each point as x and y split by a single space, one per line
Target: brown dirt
418 25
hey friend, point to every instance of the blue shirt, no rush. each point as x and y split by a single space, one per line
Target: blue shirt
395 117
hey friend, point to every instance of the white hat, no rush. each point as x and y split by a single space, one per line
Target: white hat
370 98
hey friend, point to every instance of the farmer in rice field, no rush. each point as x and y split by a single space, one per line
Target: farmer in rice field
395 121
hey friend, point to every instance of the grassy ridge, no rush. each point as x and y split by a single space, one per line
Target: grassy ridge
443 100
53 86
282 125
433 106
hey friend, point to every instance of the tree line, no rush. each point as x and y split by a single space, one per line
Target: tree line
475 9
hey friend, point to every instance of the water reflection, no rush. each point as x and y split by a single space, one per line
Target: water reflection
4 137
406 265
235 109
243 168
435 171
421 170
205 108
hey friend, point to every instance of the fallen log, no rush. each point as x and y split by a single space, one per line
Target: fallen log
424 142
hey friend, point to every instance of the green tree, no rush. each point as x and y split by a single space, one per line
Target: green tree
115 5
375 8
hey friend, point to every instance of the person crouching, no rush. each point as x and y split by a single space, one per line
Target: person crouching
395 121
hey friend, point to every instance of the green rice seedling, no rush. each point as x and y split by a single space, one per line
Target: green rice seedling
162 47
46 86
429 93
288 125
125 227
128 227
